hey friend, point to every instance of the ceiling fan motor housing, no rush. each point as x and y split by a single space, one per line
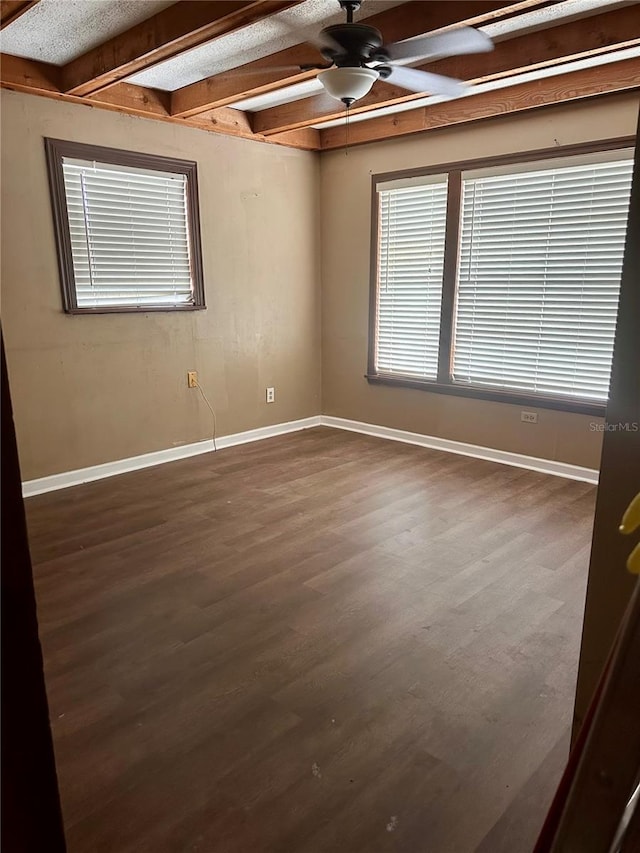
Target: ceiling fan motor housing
358 44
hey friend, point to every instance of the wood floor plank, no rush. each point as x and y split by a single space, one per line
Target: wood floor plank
318 642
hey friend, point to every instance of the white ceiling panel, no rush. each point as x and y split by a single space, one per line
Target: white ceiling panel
252 42
58 31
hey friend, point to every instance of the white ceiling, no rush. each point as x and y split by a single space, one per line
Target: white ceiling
253 42
58 31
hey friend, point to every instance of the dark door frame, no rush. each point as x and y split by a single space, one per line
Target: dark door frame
31 815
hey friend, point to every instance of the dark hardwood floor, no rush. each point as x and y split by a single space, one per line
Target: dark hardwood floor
320 643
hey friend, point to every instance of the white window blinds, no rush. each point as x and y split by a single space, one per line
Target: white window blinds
412 223
129 235
539 276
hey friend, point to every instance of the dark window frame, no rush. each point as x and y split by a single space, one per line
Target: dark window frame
443 384
55 150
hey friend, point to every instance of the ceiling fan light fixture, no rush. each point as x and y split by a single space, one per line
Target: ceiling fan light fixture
348 84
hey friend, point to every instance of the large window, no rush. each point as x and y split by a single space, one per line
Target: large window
502 280
127 229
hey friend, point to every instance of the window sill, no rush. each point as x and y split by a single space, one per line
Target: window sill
531 400
126 309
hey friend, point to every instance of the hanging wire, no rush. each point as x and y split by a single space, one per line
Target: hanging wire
213 414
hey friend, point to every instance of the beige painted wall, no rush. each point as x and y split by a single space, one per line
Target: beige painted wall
91 389
345 205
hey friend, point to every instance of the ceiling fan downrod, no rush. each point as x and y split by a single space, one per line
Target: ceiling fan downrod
350 6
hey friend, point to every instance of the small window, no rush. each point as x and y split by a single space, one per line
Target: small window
127 229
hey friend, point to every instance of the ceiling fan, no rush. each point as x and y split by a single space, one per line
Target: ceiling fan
357 56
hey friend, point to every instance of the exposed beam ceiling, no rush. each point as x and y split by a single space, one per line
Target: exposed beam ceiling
560 51
40 78
572 86
265 75
180 27
610 31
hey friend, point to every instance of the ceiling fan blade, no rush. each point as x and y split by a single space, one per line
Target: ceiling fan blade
323 41
320 40
240 71
424 81
323 102
452 43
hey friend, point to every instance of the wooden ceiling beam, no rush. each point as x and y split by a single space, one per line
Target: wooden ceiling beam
271 72
40 78
178 28
10 10
575 40
572 86
27 75
236 123
135 100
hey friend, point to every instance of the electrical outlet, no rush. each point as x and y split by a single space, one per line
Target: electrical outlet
529 417
192 379
271 395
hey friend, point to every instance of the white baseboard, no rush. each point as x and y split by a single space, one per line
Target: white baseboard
146 460
518 460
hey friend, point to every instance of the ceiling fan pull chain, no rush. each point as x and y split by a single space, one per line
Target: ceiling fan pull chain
346 147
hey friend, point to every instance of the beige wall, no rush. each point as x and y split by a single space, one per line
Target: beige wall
91 389
346 205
